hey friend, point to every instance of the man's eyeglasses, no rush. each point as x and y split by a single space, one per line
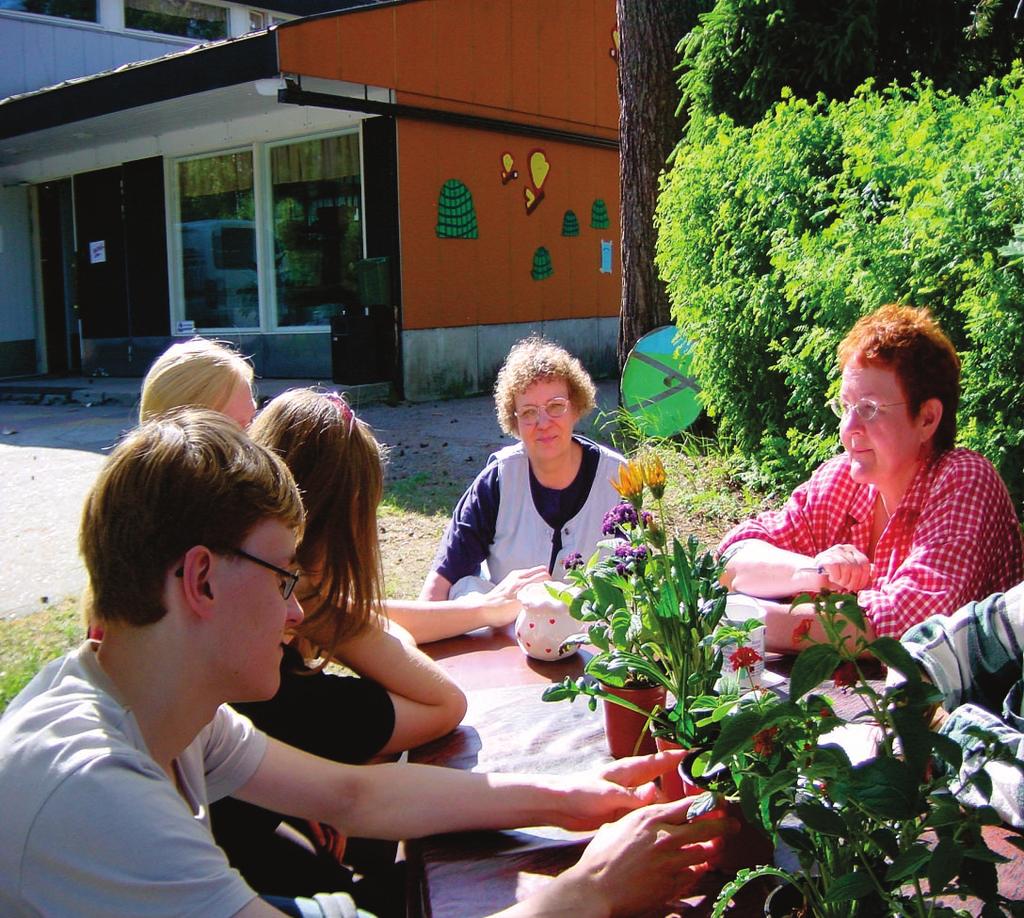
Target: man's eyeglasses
865 408
529 415
288 581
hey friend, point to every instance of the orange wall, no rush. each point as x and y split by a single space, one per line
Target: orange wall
449 282
540 61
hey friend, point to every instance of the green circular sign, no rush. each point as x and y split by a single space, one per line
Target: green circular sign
656 387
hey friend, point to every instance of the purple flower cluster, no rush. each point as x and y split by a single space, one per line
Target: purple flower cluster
617 517
572 561
630 558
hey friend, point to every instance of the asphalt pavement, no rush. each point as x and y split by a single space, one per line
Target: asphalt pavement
50 455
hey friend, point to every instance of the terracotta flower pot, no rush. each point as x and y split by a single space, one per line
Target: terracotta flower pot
623 727
749 847
673 783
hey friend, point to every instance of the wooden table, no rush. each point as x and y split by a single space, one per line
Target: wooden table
508 728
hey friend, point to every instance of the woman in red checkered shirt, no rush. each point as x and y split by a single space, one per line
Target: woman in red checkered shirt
910 524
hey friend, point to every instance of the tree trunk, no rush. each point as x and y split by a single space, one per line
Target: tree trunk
649 31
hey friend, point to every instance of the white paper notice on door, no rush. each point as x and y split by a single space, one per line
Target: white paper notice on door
98 252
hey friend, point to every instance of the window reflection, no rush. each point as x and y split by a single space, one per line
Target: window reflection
218 241
84 10
318 236
187 18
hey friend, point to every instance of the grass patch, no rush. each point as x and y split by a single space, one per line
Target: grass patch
705 497
421 493
27 643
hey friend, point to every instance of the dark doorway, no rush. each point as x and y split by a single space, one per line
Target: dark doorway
122 262
57 265
102 281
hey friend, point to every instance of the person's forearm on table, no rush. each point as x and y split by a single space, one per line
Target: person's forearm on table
411 801
784 627
759 568
435 620
435 587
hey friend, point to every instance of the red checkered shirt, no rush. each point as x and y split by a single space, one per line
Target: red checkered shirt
953 539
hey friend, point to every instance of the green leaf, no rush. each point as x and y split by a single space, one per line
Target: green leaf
984 854
796 839
907 863
737 733
945 864
819 818
948 750
886 840
982 780
850 886
812 667
744 877
944 812
885 787
894 655
847 607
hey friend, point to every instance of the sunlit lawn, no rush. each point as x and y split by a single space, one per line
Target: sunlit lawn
704 498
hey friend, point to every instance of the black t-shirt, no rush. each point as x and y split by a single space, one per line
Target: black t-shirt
342 718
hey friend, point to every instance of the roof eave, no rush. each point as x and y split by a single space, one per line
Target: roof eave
240 60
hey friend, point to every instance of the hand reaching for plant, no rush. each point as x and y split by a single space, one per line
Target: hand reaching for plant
648 858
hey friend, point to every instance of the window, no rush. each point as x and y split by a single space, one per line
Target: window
291 210
84 10
257 20
202 21
218 241
318 236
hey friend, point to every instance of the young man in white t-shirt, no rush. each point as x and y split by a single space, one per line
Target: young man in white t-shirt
110 756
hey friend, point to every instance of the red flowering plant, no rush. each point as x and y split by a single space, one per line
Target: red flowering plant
651 606
864 809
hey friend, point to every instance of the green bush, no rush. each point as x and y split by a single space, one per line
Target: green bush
741 53
775 238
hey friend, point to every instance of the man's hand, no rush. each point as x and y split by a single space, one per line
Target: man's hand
648 858
848 570
612 791
500 606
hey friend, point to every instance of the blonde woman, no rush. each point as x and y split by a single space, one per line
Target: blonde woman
203 373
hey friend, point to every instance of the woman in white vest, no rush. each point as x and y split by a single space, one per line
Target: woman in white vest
539 500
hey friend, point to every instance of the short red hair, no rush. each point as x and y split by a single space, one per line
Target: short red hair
909 341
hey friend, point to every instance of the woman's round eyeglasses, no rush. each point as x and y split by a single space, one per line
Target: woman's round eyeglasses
529 415
865 408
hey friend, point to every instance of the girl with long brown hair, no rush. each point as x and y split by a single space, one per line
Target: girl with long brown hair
399 699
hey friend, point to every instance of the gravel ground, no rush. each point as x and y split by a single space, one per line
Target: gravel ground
50 454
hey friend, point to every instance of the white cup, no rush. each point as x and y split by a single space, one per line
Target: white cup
740 608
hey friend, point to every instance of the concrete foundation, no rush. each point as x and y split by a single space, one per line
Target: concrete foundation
443 363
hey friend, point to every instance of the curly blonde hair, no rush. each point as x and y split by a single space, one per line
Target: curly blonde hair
536 359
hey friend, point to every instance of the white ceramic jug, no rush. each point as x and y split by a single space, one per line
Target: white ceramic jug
545 623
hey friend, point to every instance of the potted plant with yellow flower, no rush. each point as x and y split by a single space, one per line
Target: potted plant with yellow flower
651 607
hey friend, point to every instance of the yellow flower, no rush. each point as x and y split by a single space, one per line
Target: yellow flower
630 483
654 476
